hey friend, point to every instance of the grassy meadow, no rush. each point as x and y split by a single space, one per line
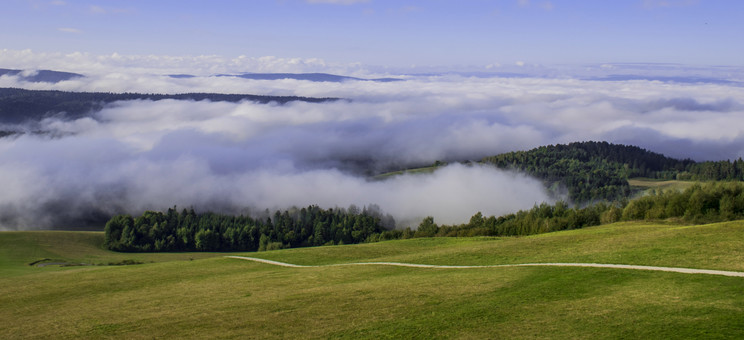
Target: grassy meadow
641 183
198 295
419 171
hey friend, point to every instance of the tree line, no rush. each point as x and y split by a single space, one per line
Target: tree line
592 171
595 173
700 203
189 231
313 226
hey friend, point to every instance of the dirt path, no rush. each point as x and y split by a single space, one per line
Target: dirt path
595 265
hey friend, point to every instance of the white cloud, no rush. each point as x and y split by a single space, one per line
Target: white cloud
163 64
69 30
151 155
97 9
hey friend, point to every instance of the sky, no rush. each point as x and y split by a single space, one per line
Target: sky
394 34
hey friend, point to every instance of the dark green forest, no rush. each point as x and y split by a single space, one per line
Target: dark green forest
599 171
313 226
701 203
189 231
19 105
594 172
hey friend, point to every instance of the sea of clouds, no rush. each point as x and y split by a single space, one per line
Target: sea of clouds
240 157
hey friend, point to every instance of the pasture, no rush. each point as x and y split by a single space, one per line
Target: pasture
197 295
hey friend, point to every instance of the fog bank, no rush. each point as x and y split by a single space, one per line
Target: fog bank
234 157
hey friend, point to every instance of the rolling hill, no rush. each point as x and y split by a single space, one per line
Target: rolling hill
40 76
190 295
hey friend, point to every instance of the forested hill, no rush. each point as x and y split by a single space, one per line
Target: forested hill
19 105
41 76
600 170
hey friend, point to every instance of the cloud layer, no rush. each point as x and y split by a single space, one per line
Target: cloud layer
139 155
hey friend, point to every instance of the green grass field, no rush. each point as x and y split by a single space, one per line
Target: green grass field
650 183
190 295
423 170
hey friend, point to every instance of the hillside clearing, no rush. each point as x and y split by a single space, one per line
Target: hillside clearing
650 183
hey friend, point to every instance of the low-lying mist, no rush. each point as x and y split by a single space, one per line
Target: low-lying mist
451 194
246 157
237 158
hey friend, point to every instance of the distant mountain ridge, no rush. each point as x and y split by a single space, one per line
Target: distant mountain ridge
668 79
50 76
314 77
19 105
41 76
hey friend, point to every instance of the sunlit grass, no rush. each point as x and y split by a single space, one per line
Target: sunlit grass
212 296
19 249
712 246
650 183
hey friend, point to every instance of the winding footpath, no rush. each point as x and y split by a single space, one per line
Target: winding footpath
594 265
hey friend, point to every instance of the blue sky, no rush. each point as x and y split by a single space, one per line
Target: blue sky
388 33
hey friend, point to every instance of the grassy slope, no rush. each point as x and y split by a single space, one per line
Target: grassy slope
650 183
414 171
231 298
18 249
